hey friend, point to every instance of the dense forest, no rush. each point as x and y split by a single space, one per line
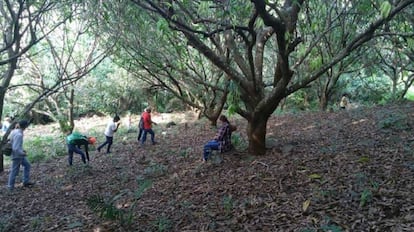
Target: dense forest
64 61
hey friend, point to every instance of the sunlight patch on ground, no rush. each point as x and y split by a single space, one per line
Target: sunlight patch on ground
359 121
95 123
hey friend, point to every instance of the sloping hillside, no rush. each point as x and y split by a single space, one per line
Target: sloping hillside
341 171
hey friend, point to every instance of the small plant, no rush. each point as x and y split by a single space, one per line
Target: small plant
36 222
238 141
366 197
186 153
155 170
144 184
5 223
106 208
396 120
163 224
228 204
329 226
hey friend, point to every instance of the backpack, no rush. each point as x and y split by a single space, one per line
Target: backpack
6 149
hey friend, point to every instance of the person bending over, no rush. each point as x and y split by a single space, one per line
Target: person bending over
74 141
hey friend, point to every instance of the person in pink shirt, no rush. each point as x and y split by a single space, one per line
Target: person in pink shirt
147 126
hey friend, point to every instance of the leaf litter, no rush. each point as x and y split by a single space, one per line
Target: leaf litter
339 171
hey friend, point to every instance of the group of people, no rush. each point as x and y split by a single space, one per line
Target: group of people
74 141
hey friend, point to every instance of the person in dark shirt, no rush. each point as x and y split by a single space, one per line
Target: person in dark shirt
222 140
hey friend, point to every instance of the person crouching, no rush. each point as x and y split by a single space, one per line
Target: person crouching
74 141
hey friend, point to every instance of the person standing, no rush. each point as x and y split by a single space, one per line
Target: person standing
19 156
147 125
141 126
110 130
74 141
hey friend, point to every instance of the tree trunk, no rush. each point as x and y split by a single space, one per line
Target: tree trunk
7 76
323 102
256 132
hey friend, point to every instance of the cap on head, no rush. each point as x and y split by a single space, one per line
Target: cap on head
23 124
91 140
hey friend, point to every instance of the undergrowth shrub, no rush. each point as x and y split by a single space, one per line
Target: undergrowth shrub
155 170
395 120
106 207
163 224
238 141
5 223
44 147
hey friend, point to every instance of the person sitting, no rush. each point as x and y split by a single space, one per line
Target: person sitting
344 103
74 141
222 140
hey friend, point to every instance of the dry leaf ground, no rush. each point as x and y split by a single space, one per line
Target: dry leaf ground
339 171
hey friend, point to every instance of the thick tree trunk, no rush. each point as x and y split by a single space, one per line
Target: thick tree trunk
256 132
7 76
323 102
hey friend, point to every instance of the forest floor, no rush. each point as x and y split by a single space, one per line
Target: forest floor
339 171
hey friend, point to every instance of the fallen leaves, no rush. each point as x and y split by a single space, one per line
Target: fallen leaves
343 171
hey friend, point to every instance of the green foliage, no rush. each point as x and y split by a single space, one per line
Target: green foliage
238 141
105 207
163 224
326 226
410 94
155 170
233 98
44 147
186 153
394 120
36 222
228 204
385 9
6 222
331 228
144 184
366 197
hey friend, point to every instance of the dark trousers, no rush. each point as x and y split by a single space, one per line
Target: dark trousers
144 136
108 142
211 145
72 148
141 130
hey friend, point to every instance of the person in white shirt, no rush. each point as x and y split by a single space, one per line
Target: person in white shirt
110 130
344 101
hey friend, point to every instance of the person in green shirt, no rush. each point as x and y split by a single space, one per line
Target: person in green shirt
74 141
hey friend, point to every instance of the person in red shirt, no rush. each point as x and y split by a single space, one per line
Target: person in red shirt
147 126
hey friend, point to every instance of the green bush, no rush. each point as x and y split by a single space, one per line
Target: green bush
44 147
